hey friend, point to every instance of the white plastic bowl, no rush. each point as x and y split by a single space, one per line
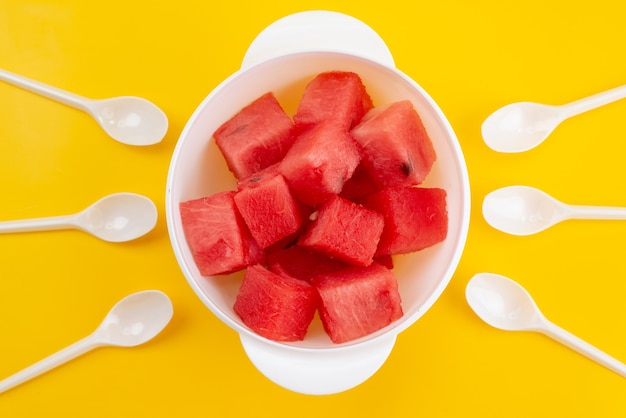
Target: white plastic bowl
282 59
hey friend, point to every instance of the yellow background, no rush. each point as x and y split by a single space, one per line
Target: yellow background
471 56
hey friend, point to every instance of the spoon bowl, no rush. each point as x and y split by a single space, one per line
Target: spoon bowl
136 319
132 321
504 304
130 120
523 210
118 217
520 126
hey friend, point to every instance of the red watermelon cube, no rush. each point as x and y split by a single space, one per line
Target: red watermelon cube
396 148
258 136
344 231
319 163
218 238
301 263
357 301
269 209
276 307
337 96
415 218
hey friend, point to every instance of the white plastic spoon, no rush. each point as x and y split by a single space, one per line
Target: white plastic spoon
523 210
115 218
522 126
127 119
134 320
504 304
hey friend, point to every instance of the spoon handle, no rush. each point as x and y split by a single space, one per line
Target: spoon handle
592 102
597 212
38 224
50 362
45 90
583 347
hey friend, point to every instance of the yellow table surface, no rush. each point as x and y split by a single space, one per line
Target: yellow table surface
472 57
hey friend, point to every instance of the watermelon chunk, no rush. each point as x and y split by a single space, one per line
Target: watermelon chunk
357 301
345 231
217 235
258 136
269 208
301 263
415 218
396 148
336 96
319 163
276 307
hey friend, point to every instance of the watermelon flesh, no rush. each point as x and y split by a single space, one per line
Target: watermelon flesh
415 218
269 209
385 260
359 185
356 170
320 161
217 235
336 96
301 263
276 307
396 148
253 179
256 137
357 301
344 231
